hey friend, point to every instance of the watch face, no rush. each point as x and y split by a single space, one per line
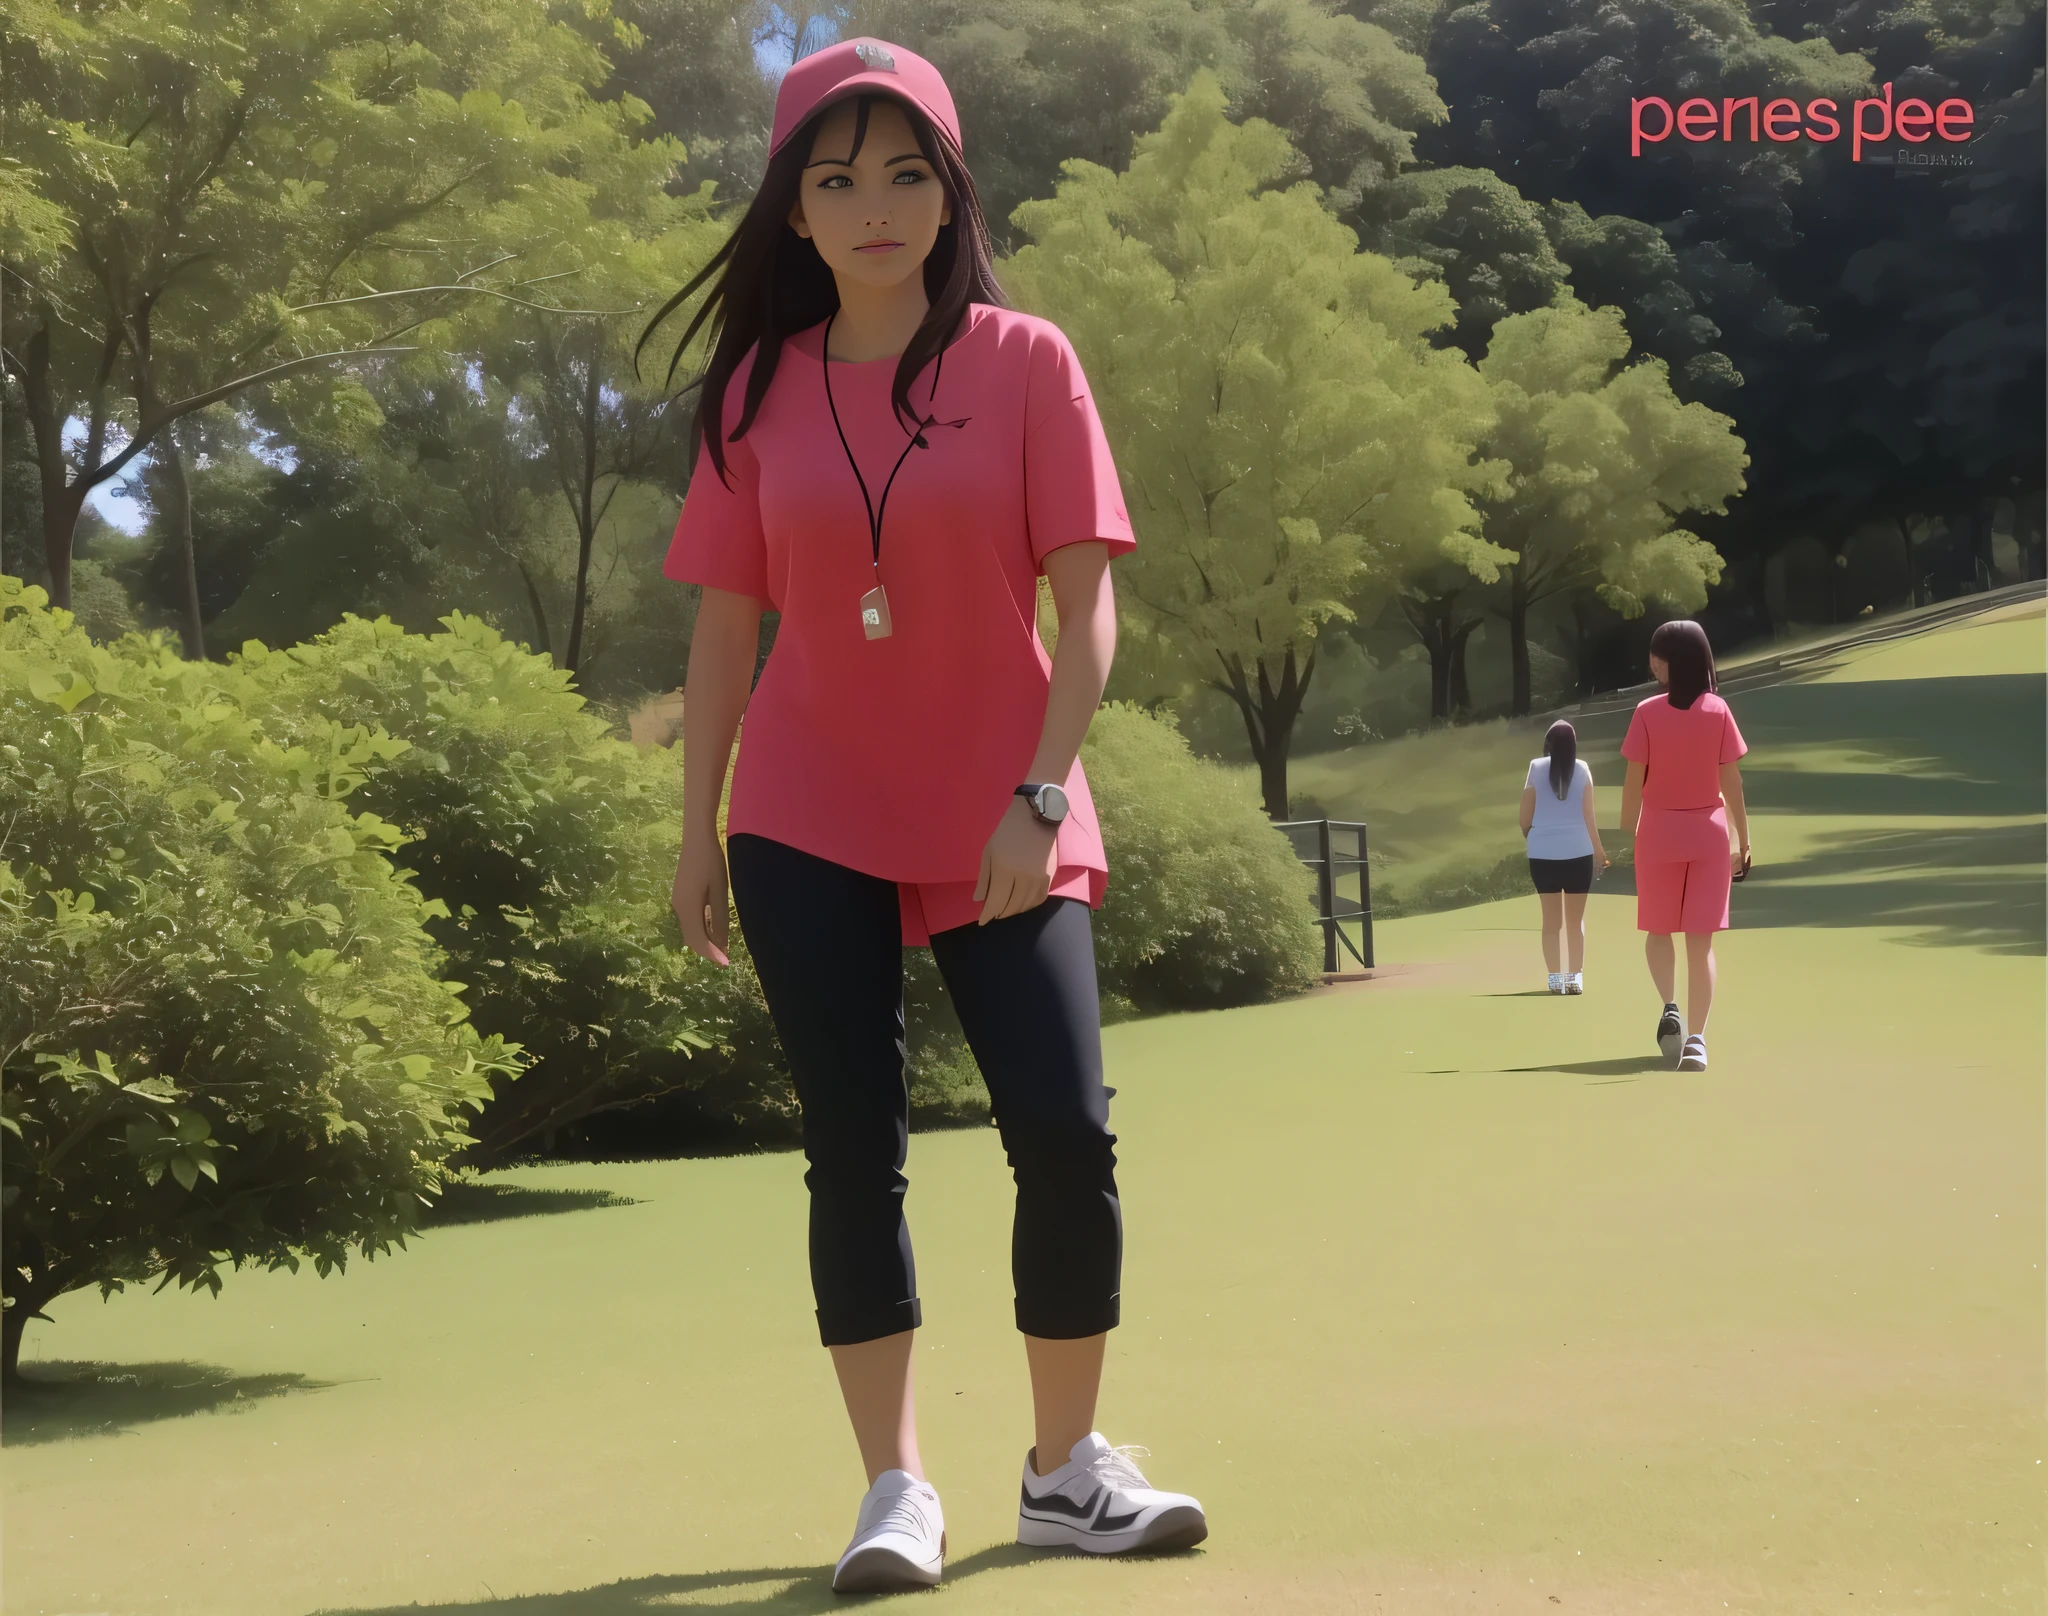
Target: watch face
1052 804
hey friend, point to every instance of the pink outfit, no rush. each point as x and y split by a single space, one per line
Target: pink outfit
1683 866
898 756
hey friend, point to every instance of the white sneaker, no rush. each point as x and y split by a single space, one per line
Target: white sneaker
1576 982
1693 1057
1556 982
1100 1501
899 1541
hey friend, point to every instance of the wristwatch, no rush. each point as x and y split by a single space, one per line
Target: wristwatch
1048 803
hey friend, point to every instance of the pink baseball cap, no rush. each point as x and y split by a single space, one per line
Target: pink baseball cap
851 67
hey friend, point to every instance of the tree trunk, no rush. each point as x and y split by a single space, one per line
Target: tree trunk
1269 712
1273 781
63 495
60 527
586 515
29 1302
1429 619
191 627
1518 642
1439 678
1912 566
12 1323
1577 637
1461 686
544 643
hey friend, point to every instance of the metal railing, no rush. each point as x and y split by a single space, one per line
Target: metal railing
1335 911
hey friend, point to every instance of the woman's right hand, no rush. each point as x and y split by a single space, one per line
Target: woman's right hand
699 896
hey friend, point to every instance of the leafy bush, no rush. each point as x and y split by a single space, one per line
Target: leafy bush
223 1038
1459 887
1470 882
552 846
1208 904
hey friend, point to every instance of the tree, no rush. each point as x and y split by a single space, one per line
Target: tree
582 419
1603 456
1542 89
1043 81
1872 327
693 63
1282 423
1475 232
541 840
256 192
1929 398
1435 601
223 1037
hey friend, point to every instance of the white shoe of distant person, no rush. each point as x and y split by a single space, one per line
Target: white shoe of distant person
1556 982
899 1540
1576 982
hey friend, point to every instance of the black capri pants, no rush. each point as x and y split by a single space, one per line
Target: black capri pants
827 942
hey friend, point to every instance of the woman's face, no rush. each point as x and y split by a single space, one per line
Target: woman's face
1660 670
873 214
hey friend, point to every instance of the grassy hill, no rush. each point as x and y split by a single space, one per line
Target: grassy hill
1441 806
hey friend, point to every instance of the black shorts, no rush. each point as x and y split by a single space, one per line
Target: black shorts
1562 875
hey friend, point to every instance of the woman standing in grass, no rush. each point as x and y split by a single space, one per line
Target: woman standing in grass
1564 845
1682 797
890 457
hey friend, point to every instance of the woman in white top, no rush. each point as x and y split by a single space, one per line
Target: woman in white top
1564 841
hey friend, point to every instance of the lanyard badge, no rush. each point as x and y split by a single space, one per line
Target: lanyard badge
874 605
874 611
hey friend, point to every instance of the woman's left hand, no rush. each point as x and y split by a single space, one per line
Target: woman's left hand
1017 865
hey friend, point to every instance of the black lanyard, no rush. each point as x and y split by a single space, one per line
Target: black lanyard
917 441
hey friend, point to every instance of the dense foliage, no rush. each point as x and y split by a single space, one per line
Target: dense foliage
549 846
1872 328
1208 904
1285 429
1875 328
182 916
225 1038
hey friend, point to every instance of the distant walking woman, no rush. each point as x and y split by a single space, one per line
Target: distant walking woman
891 458
1682 796
1564 845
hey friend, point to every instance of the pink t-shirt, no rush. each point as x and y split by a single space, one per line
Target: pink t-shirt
898 756
1682 749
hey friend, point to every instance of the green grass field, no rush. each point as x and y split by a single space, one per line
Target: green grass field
1439 1292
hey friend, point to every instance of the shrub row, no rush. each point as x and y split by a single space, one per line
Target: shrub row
283 940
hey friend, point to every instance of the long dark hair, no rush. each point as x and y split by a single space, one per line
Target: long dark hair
1682 644
1561 746
772 283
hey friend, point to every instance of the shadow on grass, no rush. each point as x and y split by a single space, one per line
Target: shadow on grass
54 1400
1957 888
488 1203
1967 745
1619 1066
785 1590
